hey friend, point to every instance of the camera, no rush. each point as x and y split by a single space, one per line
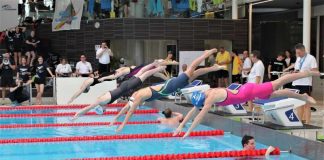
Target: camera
5 61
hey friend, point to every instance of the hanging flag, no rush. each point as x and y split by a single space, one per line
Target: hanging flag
67 15
8 14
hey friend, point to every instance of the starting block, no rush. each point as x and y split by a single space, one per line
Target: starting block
281 110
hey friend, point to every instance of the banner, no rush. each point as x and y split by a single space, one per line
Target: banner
8 14
67 15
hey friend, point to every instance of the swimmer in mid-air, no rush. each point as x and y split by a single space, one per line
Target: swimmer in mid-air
169 87
247 92
171 119
134 82
123 71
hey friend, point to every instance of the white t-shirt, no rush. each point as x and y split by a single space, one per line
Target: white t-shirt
84 68
256 70
247 64
104 58
305 63
66 68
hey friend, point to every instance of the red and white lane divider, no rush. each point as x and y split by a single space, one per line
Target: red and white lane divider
48 107
109 137
199 155
148 111
16 126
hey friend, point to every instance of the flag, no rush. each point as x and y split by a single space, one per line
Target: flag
67 15
8 14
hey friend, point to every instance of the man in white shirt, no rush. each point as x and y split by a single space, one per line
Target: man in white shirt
247 65
257 72
103 55
304 62
83 68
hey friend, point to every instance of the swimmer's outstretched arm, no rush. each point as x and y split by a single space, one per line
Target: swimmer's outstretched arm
199 117
121 112
185 120
83 87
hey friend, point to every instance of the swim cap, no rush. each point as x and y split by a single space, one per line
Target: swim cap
99 110
198 98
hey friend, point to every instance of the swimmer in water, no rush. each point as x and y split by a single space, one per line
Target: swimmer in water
247 92
169 87
248 143
171 119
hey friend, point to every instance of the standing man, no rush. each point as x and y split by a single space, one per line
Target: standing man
304 62
83 68
256 73
223 58
103 55
247 65
7 67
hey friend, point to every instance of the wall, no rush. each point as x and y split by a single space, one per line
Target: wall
189 33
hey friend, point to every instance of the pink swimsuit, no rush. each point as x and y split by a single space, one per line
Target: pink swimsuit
247 92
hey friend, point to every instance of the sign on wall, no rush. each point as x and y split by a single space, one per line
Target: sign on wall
8 14
67 15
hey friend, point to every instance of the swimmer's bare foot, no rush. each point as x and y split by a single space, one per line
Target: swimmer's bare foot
217 67
309 99
207 53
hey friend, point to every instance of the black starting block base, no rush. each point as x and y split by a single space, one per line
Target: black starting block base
225 114
279 127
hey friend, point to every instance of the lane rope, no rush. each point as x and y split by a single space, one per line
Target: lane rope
147 111
15 126
48 107
197 155
109 137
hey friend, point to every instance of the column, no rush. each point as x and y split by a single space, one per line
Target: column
234 9
307 7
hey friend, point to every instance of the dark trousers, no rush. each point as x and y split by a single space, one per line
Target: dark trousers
103 68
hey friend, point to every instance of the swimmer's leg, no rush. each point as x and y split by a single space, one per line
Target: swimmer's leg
145 68
104 99
288 78
161 75
205 70
192 67
149 73
84 86
291 94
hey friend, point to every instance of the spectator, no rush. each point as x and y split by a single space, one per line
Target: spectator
7 66
290 62
32 44
83 68
257 72
103 54
169 58
237 67
304 62
223 58
63 69
18 40
23 71
40 78
184 68
247 65
278 65
9 41
17 94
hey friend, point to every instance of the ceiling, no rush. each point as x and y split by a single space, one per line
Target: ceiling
289 4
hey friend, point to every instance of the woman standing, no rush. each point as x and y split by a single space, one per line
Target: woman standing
237 67
40 78
63 69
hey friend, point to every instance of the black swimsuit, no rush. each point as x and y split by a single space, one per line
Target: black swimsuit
124 87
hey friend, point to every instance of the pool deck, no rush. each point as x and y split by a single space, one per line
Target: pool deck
300 146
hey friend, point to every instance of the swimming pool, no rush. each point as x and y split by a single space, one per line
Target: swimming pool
106 148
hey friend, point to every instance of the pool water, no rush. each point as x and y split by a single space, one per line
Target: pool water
112 148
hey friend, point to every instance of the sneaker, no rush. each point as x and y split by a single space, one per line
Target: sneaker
99 110
322 76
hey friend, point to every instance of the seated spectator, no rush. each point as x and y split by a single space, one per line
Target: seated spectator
17 93
7 67
32 43
278 64
83 68
63 69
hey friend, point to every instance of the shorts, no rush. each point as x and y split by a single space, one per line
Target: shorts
7 81
30 48
236 78
222 74
40 81
17 49
304 89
